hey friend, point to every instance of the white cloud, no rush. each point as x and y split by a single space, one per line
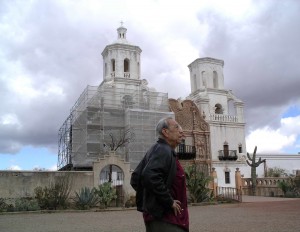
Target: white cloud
290 125
10 119
53 168
275 140
15 168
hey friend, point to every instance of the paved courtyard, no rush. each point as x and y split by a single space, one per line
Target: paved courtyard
259 215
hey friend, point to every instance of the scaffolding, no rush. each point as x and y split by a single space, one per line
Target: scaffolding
102 115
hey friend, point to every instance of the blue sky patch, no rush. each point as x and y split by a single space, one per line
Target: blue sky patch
292 112
29 158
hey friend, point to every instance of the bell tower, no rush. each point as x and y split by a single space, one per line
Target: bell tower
206 73
121 59
224 113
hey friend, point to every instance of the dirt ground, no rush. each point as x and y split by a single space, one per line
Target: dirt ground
259 216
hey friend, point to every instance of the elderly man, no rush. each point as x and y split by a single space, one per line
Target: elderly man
159 181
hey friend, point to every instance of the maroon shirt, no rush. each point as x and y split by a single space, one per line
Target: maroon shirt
178 192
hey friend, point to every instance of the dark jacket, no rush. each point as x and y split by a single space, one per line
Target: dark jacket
152 179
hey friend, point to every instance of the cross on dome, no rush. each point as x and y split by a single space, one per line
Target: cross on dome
122 33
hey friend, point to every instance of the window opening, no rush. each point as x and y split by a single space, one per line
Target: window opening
203 78
215 79
218 109
112 174
240 149
113 65
227 177
226 150
126 65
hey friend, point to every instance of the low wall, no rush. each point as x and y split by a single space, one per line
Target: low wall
16 184
267 186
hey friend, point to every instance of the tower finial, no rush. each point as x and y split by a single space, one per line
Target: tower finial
121 23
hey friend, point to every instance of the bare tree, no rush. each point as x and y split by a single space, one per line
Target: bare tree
119 139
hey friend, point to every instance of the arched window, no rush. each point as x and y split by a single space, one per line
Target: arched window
128 101
126 68
203 75
126 65
113 174
218 109
113 65
215 79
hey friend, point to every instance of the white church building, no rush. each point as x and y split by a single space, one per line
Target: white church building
121 113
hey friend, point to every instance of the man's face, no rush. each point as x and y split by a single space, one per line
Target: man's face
173 134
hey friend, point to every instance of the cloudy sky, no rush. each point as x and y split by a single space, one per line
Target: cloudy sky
50 50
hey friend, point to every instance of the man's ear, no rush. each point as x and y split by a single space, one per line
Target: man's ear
165 133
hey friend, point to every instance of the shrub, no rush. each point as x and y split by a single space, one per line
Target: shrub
105 193
86 198
197 184
276 172
3 205
289 188
284 186
56 195
25 204
10 208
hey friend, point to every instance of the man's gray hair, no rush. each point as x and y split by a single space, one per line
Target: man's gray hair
163 123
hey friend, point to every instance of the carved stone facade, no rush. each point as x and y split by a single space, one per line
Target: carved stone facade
195 128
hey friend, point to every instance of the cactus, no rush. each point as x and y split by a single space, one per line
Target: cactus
253 166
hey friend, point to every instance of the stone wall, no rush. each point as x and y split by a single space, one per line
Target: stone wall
17 184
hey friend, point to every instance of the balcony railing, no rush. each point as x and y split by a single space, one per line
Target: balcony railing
127 74
227 155
186 152
223 118
229 193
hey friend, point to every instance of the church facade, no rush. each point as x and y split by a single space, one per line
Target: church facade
119 116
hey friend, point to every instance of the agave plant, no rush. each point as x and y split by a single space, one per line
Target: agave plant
86 198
